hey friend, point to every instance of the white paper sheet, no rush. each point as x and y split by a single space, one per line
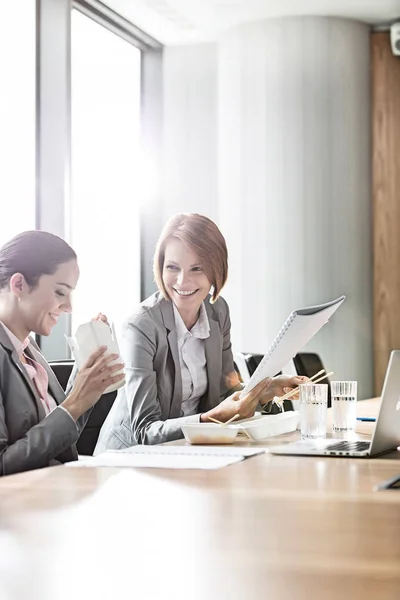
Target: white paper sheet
157 461
169 457
200 450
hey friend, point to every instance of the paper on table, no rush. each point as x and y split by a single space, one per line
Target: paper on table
169 457
157 461
191 450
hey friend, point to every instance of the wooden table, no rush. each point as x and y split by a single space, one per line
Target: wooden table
270 527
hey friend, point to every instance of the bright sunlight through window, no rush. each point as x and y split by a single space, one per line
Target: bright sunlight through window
104 211
17 118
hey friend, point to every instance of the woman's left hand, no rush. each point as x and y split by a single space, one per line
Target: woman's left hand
101 317
281 385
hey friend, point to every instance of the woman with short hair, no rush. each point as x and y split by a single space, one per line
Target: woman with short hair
177 347
39 425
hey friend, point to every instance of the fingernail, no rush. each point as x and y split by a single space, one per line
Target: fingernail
286 390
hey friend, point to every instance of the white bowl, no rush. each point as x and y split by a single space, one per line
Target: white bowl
270 425
209 433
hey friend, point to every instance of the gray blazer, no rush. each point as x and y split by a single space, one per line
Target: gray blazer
147 409
29 439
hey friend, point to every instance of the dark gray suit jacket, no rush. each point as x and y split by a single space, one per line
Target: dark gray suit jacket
29 439
148 409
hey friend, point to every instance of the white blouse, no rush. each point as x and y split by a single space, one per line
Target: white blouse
192 359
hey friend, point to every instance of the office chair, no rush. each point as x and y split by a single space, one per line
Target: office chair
247 363
88 439
309 363
62 370
306 363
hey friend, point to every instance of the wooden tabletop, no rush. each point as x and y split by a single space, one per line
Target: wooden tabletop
276 527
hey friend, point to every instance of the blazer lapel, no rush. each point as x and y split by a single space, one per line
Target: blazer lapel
169 322
213 347
7 344
57 393
55 388
30 384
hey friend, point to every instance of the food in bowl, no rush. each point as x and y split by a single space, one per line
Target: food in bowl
209 433
270 425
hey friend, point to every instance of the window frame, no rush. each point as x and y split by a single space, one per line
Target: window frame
53 125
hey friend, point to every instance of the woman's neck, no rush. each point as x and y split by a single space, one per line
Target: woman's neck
10 318
189 317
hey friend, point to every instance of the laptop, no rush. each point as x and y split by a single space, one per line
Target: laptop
386 436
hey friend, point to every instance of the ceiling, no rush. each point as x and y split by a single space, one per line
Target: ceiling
175 22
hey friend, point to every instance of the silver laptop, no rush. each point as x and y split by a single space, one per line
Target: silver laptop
386 436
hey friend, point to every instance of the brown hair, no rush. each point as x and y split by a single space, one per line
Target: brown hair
205 239
33 253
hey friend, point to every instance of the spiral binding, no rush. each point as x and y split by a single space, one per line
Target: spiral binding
256 378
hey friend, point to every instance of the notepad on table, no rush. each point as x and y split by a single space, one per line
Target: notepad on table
298 329
169 457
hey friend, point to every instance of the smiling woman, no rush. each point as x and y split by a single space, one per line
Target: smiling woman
177 348
184 280
39 425
191 239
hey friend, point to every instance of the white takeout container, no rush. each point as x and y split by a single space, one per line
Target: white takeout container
266 426
209 433
90 337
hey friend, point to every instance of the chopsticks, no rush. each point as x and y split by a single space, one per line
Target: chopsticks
312 379
230 421
227 422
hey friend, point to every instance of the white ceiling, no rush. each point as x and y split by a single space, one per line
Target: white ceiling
188 21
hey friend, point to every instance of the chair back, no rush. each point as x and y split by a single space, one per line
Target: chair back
306 363
88 439
247 363
62 370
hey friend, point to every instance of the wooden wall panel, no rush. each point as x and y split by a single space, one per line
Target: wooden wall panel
385 200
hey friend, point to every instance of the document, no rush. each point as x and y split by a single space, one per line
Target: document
169 457
298 329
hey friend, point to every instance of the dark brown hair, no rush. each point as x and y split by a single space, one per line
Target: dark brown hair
33 254
205 239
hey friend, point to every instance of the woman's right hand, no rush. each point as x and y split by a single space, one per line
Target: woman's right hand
244 406
96 375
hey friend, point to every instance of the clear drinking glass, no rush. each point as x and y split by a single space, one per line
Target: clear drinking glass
344 399
313 410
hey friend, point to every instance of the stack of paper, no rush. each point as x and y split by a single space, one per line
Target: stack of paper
169 457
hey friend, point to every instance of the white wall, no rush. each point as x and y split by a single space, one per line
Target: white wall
268 134
189 181
294 199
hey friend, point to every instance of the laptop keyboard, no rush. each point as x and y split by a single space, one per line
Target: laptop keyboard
345 446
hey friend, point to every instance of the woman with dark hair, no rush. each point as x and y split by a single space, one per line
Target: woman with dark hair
39 426
177 347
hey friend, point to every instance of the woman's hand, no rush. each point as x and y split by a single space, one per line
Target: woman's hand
92 380
281 385
234 404
101 317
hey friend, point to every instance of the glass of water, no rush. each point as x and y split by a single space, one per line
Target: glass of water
313 410
344 399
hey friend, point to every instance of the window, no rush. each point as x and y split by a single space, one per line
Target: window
17 118
105 164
